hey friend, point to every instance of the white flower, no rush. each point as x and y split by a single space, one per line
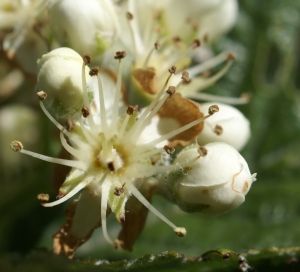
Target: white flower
231 127
214 182
112 157
86 26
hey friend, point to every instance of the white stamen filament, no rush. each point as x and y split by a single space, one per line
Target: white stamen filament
78 188
145 155
74 152
70 163
114 119
86 99
177 131
147 204
146 62
123 127
86 133
202 67
106 184
220 99
71 136
102 105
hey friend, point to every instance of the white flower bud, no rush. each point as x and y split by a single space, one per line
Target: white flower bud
215 183
60 77
229 126
86 26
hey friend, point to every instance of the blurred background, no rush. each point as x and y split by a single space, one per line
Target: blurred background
266 41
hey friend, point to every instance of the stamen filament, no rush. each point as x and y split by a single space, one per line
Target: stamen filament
78 188
177 131
86 133
145 155
104 199
123 126
102 105
70 163
221 99
202 67
114 119
74 152
147 204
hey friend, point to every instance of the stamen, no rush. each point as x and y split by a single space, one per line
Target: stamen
147 204
43 198
70 163
95 72
74 152
202 67
243 99
114 119
146 62
78 188
86 133
185 79
145 155
130 111
202 151
106 184
179 130
87 60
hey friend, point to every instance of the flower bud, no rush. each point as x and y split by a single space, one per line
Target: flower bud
60 77
215 183
229 126
86 26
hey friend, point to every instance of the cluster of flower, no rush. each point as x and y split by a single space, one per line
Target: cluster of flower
134 132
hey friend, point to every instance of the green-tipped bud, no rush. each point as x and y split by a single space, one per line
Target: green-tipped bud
212 179
60 76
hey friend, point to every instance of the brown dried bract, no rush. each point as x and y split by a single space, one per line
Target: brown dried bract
136 216
120 55
146 79
183 111
94 71
87 59
42 95
85 112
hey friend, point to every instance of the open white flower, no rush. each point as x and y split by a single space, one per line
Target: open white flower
112 158
154 45
214 184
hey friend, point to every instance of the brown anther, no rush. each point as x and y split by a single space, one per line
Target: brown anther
16 146
206 37
111 166
171 90
122 218
181 232
42 95
218 130
87 59
246 96
120 55
119 190
202 151
172 70
131 110
43 198
213 109
94 71
185 77
129 15
176 39
70 124
196 43
169 149
231 57
157 45
85 112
